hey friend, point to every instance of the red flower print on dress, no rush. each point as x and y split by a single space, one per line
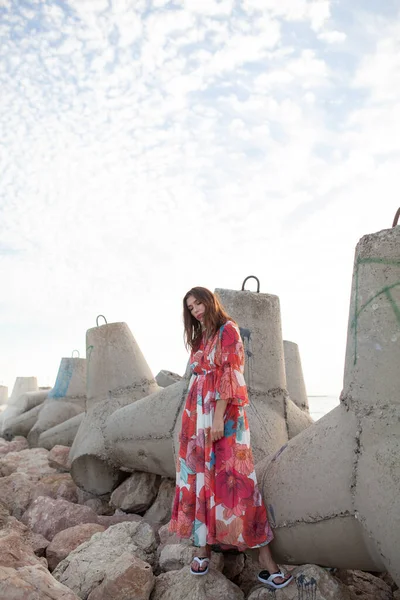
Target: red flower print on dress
255 525
231 487
241 459
229 533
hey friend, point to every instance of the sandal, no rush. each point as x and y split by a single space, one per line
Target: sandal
268 578
201 561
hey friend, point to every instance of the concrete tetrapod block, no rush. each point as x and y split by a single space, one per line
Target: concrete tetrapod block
23 404
294 375
259 319
21 386
333 492
62 434
372 390
65 400
22 424
3 394
144 435
166 378
140 436
117 375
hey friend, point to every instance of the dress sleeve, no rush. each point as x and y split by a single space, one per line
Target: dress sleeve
229 360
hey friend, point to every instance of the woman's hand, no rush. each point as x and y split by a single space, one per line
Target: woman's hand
217 429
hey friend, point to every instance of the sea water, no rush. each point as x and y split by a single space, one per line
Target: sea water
320 405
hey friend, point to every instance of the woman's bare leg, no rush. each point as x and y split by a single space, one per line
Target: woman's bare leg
267 562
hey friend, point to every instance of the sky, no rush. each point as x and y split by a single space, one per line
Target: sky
150 146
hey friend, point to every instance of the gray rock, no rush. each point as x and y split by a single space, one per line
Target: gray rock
160 511
137 493
48 516
87 566
182 585
32 582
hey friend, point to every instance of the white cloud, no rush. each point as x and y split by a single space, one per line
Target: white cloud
332 37
144 152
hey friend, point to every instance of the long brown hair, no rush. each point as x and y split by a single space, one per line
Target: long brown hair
214 317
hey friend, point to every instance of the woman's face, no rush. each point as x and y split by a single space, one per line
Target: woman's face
196 308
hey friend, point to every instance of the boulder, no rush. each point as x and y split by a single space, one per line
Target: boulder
57 485
166 378
310 582
181 585
67 540
364 585
137 493
118 517
11 529
33 462
130 579
17 444
233 565
16 493
59 458
100 504
48 516
32 582
159 512
87 566
177 556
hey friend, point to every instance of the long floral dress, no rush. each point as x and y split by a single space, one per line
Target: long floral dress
217 500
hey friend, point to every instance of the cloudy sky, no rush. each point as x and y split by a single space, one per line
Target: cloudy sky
147 146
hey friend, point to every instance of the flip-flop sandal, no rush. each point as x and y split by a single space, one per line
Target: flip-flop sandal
268 578
201 561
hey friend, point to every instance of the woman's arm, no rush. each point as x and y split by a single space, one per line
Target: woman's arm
217 430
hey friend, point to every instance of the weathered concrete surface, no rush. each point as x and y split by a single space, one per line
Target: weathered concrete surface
62 434
334 491
18 405
21 386
65 400
21 424
139 436
3 394
294 375
166 378
117 375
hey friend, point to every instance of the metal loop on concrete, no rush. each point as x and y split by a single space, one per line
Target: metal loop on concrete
252 277
79 354
97 319
396 218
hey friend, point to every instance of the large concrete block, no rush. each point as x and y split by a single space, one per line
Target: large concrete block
25 403
22 424
21 386
139 437
62 434
117 375
333 492
65 400
3 394
294 375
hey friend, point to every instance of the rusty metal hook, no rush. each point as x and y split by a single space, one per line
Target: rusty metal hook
252 277
97 319
79 354
396 218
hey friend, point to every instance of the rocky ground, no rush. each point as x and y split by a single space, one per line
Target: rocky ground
60 543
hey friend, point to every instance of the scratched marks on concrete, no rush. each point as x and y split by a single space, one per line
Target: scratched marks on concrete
386 291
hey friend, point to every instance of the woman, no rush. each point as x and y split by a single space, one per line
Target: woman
217 500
